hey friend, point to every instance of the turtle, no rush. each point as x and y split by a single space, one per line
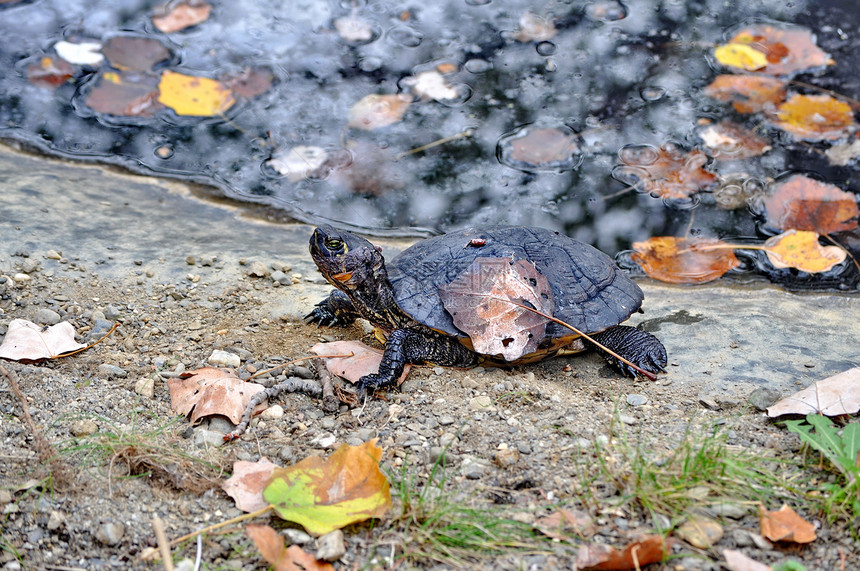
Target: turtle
402 297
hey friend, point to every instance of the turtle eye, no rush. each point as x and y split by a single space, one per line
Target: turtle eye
334 244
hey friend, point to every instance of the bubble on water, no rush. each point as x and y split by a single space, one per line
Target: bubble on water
164 151
406 36
369 64
641 155
477 65
546 48
606 11
477 2
537 147
652 93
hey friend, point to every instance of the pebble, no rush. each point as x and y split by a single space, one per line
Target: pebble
507 457
112 313
258 270
701 532
483 402
273 413
145 387
203 438
473 468
20 278
53 255
636 400
446 420
110 532
323 440
627 419
709 403
45 316
83 427
331 547
281 278
296 536
435 454
56 520
762 398
112 371
220 358
726 509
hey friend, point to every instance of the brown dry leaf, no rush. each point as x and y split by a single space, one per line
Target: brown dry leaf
375 111
787 50
541 149
249 82
785 525
247 483
479 301
134 53
534 28
803 203
800 249
671 174
737 561
273 549
175 16
50 72
701 532
209 391
27 342
748 93
684 260
365 360
558 524
815 118
728 140
124 94
642 551
833 396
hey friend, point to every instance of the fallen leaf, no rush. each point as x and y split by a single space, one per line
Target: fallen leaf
354 30
833 396
558 524
800 249
843 154
375 111
741 56
747 93
124 94
273 549
642 551
365 360
209 391
431 85
479 301
247 483
667 173
82 53
700 532
27 342
365 168
803 203
175 16
785 525
327 494
815 117
728 140
49 72
249 82
534 28
737 561
540 149
787 49
299 162
134 53
684 260
193 95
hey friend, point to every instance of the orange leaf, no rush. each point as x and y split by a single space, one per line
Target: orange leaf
375 111
193 95
815 117
365 360
667 173
785 525
124 95
788 50
50 71
803 203
748 93
563 520
175 16
642 551
684 260
800 249
272 547
728 140
209 391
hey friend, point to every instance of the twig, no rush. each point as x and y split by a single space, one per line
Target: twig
90 346
219 525
466 133
163 545
329 400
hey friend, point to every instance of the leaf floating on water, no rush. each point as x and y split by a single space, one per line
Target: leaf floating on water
642 551
327 494
667 173
535 28
479 301
741 56
365 360
540 149
787 49
684 260
728 140
298 162
431 85
249 82
273 548
209 391
815 117
194 95
375 111
785 525
27 342
124 94
50 72
803 203
353 29
83 53
365 169
800 249
747 93
175 16
833 396
134 53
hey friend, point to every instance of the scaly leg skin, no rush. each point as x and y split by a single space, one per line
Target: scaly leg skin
336 309
408 346
637 346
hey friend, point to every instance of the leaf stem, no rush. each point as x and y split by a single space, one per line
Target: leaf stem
213 527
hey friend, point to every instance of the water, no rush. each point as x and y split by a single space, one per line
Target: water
605 78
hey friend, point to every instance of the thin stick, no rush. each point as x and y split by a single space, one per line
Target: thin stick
225 523
163 545
93 344
436 143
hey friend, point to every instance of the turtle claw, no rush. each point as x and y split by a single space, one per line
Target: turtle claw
321 315
369 384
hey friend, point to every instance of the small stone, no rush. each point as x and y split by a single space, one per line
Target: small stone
53 255
83 427
709 402
507 457
445 420
281 278
447 439
323 440
273 413
112 371
468 383
627 419
258 270
110 532
145 387
190 260
296 536
220 358
20 278
56 520
5 497
435 454
701 532
726 509
473 468
45 316
762 398
112 312
330 547
636 400
203 438
482 402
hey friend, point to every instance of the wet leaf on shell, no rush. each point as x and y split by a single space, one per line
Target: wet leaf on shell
740 56
815 118
684 260
175 16
134 53
747 93
124 94
193 95
247 483
785 525
800 249
274 550
49 71
365 360
642 551
479 301
728 140
670 174
209 391
803 203
375 111
327 494
27 342
786 49
834 396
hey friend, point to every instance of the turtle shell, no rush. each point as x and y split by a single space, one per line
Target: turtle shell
589 291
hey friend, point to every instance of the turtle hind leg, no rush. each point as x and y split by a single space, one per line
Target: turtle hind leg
635 345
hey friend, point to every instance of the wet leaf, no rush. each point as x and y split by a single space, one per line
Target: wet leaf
249 82
642 551
785 525
535 28
844 153
273 549
247 483
728 140
786 49
209 391
700 532
800 249
49 71
375 111
479 301
561 523
668 174
365 360
124 95
737 561
193 95
431 85
353 29
298 162
748 93
27 342
134 53
815 117
740 56
326 494
175 16
540 149
803 203
684 260
365 169
82 53
833 396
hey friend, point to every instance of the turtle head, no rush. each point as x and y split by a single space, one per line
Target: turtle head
347 261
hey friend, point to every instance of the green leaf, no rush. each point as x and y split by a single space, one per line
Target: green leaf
851 442
789 565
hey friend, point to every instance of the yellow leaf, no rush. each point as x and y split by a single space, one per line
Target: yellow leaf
740 56
800 249
815 117
326 494
194 96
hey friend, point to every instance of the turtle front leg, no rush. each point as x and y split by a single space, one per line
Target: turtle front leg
635 345
336 309
409 346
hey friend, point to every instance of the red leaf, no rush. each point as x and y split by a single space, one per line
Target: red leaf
802 203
